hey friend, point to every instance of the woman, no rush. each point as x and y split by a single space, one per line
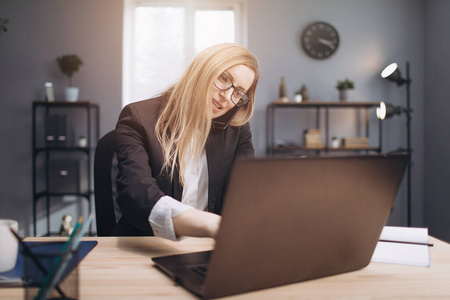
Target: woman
176 150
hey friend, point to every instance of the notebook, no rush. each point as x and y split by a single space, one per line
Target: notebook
293 219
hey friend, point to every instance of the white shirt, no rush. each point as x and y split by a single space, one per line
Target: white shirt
195 195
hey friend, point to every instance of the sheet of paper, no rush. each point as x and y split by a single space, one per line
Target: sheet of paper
402 253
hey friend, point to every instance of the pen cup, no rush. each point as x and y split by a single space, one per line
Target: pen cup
8 245
47 254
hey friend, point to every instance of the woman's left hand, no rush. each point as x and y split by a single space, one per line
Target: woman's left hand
197 223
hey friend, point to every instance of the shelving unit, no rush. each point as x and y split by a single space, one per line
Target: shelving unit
46 149
318 106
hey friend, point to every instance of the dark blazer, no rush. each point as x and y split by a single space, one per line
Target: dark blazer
140 183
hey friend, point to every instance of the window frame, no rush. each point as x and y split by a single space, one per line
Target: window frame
191 6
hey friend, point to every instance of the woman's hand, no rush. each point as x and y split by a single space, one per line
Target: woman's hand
196 223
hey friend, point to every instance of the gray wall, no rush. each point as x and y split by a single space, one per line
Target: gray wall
38 32
373 33
437 129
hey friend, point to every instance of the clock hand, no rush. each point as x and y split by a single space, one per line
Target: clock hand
326 43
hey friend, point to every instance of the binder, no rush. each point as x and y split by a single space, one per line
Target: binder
56 131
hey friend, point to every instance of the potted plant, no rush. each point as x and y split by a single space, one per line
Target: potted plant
334 142
69 64
302 94
343 87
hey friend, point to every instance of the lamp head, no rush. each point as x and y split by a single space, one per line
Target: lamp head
381 111
386 110
392 73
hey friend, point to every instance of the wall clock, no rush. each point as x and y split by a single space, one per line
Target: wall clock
320 40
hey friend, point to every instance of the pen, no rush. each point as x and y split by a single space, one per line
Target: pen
410 243
33 257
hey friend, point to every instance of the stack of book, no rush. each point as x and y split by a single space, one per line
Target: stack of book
355 142
313 138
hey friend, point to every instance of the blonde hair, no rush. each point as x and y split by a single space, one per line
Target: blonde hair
185 122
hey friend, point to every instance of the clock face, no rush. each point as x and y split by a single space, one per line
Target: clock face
320 40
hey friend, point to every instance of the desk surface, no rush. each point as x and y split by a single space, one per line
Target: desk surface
121 268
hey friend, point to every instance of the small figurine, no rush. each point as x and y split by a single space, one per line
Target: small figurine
66 225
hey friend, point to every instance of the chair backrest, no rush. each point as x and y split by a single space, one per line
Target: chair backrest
104 184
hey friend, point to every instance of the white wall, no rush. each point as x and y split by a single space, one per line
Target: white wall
373 33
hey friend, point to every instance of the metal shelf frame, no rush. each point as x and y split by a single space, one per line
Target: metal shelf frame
92 110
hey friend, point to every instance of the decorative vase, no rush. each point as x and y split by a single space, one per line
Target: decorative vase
72 93
283 97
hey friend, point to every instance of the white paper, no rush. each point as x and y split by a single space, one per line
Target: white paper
402 253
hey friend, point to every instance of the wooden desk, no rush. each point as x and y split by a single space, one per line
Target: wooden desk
121 268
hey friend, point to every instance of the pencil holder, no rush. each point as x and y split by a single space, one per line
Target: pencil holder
34 277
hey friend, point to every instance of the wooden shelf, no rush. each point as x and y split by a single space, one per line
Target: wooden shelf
318 106
336 104
292 148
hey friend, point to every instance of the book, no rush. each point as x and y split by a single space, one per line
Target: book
355 142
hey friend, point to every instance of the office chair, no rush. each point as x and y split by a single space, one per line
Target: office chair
105 172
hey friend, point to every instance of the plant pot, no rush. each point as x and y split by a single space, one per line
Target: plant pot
335 143
345 95
72 93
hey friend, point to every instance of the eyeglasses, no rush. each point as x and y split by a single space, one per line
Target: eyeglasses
238 97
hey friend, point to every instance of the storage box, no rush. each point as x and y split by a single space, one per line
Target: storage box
312 138
64 176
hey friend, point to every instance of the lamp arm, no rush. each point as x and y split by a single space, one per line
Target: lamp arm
402 81
406 110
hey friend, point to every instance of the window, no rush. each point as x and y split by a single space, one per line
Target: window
162 37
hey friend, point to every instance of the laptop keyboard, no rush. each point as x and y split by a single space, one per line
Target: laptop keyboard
200 270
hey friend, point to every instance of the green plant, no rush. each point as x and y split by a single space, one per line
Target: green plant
69 64
345 85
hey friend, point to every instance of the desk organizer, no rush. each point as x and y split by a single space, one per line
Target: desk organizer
26 273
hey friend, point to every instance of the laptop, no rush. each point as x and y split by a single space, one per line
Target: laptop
293 219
